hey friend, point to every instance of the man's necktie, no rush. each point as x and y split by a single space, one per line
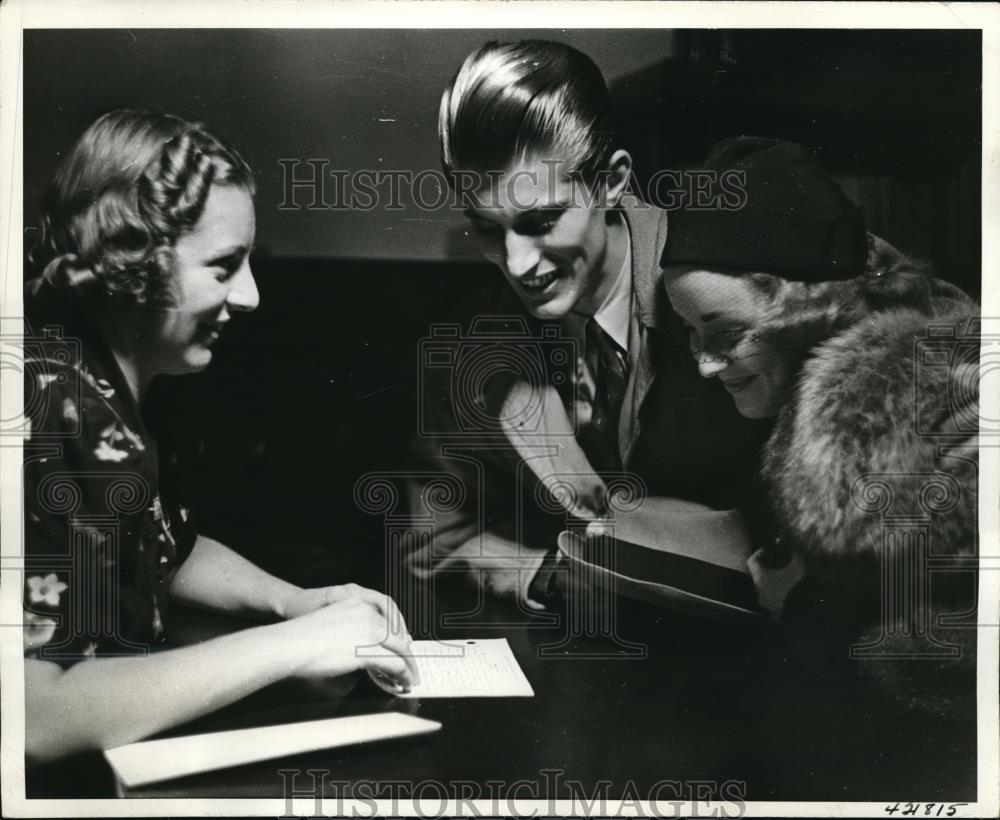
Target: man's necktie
600 440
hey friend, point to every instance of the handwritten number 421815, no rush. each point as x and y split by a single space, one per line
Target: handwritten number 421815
929 809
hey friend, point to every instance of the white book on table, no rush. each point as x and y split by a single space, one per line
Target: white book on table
151 761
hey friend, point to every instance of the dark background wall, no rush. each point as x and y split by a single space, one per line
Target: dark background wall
317 387
360 99
894 115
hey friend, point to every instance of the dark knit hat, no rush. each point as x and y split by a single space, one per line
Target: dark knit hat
794 221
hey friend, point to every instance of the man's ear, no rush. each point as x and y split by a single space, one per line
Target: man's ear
618 174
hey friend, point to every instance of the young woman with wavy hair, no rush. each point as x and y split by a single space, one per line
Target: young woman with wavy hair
144 260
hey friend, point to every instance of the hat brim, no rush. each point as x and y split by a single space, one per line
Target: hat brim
663 579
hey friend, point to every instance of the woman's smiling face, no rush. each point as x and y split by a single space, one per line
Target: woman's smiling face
723 313
211 280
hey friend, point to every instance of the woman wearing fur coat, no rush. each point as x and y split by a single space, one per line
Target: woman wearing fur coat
870 369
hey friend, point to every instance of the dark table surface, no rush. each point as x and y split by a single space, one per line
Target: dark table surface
668 698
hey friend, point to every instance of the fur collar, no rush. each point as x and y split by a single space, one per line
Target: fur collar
876 429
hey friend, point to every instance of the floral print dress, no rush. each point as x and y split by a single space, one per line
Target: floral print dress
105 528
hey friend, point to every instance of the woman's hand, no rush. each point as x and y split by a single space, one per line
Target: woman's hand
353 633
774 583
299 602
106 702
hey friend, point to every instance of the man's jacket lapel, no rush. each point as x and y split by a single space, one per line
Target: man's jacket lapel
648 232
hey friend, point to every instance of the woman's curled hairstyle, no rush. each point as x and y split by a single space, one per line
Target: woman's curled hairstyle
132 184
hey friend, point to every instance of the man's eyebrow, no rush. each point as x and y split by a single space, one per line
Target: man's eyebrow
558 205
541 212
537 214
711 316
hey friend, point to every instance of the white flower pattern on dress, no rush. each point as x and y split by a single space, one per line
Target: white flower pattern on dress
38 630
94 409
45 590
69 411
133 438
102 386
105 389
105 452
112 435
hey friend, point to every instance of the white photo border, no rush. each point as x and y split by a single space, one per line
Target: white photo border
19 15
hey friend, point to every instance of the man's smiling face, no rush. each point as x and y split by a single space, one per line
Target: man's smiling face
547 233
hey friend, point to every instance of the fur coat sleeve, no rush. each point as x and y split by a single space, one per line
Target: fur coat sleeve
880 447
883 425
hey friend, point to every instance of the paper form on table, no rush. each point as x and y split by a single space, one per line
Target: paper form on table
467 669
